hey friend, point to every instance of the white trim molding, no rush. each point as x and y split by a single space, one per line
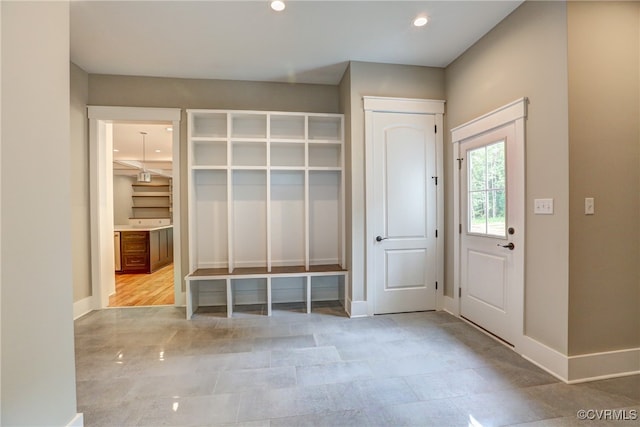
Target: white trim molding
544 357
101 119
77 421
403 105
357 308
584 367
609 364
150 114
501 116
82 307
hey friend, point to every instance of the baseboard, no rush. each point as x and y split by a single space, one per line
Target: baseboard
357 308
581 368
77 421
544 357
450 305
82 307
610 364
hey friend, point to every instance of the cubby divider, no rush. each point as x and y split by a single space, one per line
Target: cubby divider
266 209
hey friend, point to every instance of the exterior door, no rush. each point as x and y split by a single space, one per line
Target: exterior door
404 217
492 224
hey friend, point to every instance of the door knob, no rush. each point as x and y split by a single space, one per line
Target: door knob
510 246
380 238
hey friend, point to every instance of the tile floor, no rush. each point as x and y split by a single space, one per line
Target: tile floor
151 367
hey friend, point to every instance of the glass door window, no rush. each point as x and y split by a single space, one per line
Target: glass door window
486 190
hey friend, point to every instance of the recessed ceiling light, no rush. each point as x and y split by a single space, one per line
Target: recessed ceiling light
278 5
115 150
169 129
157 151
420 21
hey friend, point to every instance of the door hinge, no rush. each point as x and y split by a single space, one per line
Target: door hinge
436 286
459 292
460 163
435 178
436 234
459 228
435 128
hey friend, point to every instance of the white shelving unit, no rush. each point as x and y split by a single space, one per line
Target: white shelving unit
266 208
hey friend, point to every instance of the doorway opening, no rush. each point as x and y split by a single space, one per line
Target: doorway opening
143 214
148 245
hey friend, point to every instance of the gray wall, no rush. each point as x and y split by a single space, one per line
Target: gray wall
80 224
127 91
604 117
369 79
345 108
525 55
37 355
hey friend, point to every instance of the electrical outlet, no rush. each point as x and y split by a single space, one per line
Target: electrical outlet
589 206
543 206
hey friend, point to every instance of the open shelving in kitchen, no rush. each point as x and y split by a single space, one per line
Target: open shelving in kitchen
266 208
152 201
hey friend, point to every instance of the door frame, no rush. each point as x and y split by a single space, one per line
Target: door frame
376 104
513 113
101 195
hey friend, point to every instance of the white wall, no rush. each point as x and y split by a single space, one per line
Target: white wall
37 353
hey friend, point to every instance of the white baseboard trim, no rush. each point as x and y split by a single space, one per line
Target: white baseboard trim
82 307
581 368
358 308
77 421
544 357
609 364
451 306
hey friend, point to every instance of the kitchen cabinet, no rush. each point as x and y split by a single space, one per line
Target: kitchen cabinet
145 250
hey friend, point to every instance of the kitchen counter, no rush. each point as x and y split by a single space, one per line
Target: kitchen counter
144 249
140 227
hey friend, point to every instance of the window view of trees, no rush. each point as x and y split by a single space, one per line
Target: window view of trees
486 188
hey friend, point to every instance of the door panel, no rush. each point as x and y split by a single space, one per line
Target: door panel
405 163
489 287
405 269
488 262
404 159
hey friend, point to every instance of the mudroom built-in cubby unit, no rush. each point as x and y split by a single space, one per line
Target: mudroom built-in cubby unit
266 209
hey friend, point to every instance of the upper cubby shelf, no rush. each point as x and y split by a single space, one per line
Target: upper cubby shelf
287 127
325 128
208 125
249 126
278 140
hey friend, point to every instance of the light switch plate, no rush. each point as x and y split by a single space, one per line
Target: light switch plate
543 206
589 206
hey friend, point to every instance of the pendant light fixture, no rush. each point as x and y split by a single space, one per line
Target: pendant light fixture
143 175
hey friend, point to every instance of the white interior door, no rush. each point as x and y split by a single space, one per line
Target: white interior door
492 226
405 208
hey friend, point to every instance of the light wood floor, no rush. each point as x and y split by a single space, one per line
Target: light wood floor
144 289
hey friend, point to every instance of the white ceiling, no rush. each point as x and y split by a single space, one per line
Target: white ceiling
127 139
309 42
128 147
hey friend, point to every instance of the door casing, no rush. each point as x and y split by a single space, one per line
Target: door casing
101 194
408 106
